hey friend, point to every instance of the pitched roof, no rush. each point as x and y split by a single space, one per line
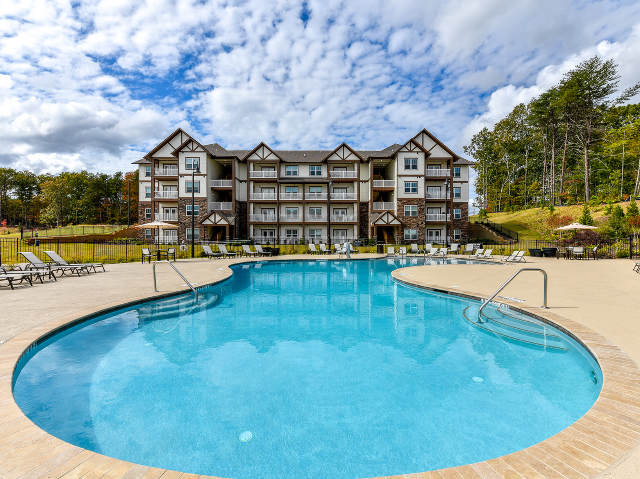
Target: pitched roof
141 161
165 141
463 161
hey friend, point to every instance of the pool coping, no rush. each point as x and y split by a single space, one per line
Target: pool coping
603 437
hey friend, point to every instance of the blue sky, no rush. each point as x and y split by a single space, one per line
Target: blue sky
97 84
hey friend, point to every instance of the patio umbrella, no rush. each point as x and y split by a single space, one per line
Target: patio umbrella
576 226
156 224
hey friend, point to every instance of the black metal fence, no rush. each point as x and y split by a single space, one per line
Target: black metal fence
498 229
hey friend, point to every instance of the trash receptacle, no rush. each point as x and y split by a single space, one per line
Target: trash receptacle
275 251
380 249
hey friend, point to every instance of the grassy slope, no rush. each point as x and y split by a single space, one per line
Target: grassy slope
532 223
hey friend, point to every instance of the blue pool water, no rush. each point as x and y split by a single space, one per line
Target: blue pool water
306 369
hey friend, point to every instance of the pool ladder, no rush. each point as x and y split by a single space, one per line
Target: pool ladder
155 284
509 281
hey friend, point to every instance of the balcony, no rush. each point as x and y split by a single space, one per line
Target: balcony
437 173
438 195
221 183
220 205
166 216
383 205
437 218
313 218
262 196
344 218
384 183
291 196
166 195
291 218
262 218
263 174
343 174
166 171
315 196
344 196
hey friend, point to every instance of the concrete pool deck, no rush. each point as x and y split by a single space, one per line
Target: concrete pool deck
596 300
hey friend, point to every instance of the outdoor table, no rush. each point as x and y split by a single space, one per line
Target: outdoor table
157 252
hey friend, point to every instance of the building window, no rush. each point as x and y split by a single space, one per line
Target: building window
147 213
456 192
315 212
457 213
147 171
315 189
315 235
147 234
196 234
457 234
315 170
411 187
196 187
292 212
191 163
410 234
291 189
291 170
410 163
456 171
292 234
411 210
147 192
196 209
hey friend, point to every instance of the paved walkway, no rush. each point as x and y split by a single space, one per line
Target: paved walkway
602 295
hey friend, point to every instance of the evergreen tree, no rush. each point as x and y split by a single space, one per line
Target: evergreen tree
586 218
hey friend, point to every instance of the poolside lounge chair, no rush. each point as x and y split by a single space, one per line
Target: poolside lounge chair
510 257
323 249
170 252
146 253
391 251
468 249
519 258
312 249
20 276
353 250
442 252
37 264
487 254
223 250
454 248
478 254
432 252
402 251
57 259
415 250
261 252
247 250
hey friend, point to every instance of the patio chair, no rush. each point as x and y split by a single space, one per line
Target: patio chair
247 250
57 259
594 252
510 257
353 250
223 250
636 268
578 252
37 264
454 248
167 254
323 249
442 252
415 250
391 251
312 249
208 252
261 252
432 252
469 250
11 276
478 254
146 253
487 254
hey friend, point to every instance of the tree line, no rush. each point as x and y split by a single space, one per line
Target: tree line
575 142
31 200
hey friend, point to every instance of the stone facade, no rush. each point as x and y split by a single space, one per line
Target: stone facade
240 230
364 228
412 222
462 224
142 217
184 221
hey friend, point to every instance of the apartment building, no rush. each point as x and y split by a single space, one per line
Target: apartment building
406 193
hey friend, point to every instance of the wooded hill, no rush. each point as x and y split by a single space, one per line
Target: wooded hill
573 143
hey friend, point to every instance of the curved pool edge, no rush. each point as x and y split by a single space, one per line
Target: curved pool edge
603 437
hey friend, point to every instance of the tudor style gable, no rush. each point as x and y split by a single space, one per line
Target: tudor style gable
344 152
262 152
413 146
166 148
435 147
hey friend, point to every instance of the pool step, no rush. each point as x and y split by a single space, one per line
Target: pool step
513 328
175 307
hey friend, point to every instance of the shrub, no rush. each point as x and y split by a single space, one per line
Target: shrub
622 254
557 221
586 218
616 226
483 214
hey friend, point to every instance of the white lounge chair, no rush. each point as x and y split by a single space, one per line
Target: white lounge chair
312 249
247 250
442 252
510 257
391 251
478 254
433 252
57 259
519 258
262 252
468 249
487 254
415 250
454 248
324 249
223 250
402 251
208 252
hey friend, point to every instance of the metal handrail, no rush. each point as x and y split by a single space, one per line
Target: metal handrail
155 285
507 282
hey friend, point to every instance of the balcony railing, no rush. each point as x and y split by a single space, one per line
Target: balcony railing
384 183
343 174
315 196
291 218
264 217
437 172
166 194
291 196
312 218
431 218
221 183
438 195
166 216
343 218
220 205
344 196
262 196
263 174
166 172
383 205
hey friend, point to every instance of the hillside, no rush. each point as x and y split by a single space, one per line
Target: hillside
532 224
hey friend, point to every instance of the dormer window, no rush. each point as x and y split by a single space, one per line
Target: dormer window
291 170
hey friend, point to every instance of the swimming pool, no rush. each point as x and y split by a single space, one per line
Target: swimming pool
304 369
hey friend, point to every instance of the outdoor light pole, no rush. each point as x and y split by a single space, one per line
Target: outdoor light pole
193 207
128 203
